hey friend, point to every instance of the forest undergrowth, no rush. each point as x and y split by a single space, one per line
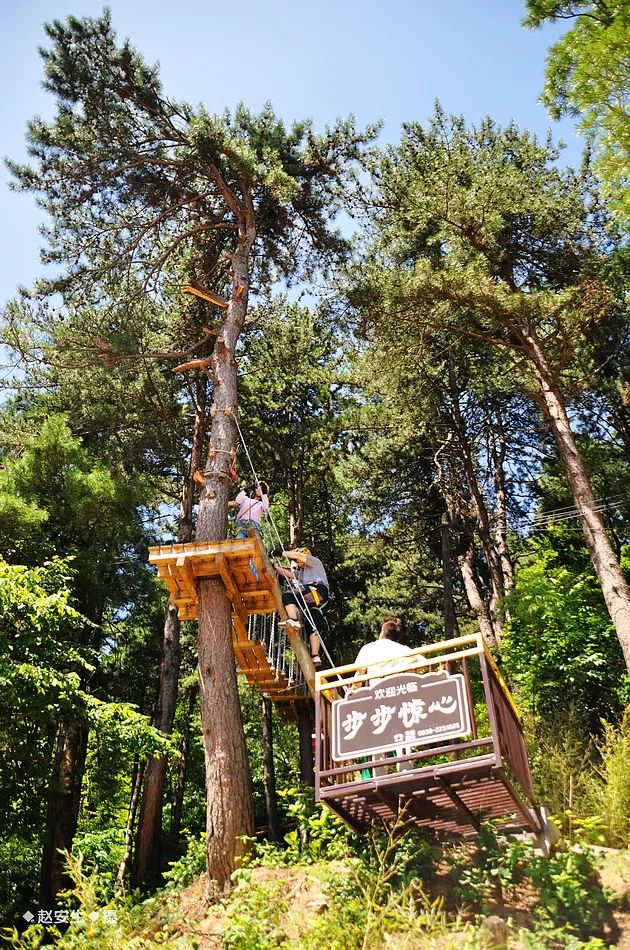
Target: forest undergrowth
326 888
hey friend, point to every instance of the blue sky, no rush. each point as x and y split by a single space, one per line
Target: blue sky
387 60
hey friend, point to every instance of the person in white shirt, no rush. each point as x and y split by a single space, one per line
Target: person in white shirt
381 658
381 655
252 506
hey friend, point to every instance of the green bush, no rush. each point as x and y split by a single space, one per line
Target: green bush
560 642
571 893
572 898
317 834
584 781
380 892
191 864
19 874
610 785
253 913
562 757
101 851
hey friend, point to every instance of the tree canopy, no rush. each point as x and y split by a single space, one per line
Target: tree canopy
588 76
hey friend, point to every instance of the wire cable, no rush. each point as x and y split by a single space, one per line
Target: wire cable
296 583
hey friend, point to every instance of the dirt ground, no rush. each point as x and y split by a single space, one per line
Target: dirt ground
302 890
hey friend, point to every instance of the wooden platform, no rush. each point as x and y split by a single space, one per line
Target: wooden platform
451 799
448 785
243 566
252 586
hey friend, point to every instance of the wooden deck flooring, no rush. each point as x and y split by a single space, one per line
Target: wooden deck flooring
252 586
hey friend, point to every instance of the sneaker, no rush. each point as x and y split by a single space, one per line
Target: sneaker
317 660
291 623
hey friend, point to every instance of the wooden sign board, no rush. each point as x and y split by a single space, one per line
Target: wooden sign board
402 709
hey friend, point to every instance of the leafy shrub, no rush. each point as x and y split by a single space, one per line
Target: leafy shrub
317 834
570 891
94 925
572 898
610 787
19 872
562 758
560 641
191 864
253 913
101 851
380 893
484 875
584 781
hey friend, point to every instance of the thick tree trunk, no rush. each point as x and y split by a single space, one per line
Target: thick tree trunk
305 734
136 784
269 772
228 779
146 868
180 784
613 583
63 808
146 865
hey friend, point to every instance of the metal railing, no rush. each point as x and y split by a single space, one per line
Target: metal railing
494 741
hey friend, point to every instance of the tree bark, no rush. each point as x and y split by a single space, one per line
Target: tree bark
136 784
480 509
296 514
228 778
451 628
180 784
498 449
305 734
63 808
613 583
269 773
466 562
466 565
146 868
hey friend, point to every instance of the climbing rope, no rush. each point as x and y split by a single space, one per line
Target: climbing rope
296 586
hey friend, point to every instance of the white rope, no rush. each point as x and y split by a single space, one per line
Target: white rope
296 586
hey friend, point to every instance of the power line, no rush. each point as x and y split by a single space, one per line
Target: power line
569 514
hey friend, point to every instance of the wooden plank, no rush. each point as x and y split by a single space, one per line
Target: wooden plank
189 582
240 627
227 581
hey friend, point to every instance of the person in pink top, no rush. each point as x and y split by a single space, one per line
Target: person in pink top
252 506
